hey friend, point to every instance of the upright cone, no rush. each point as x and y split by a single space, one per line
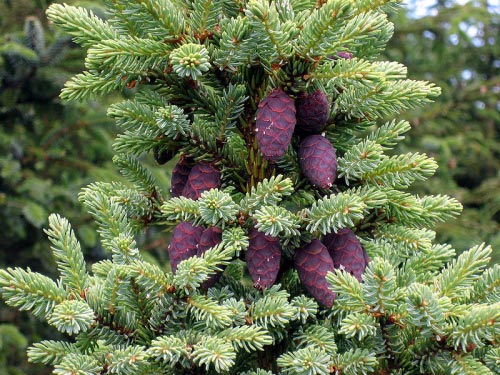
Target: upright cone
312 112
346 252
275 124
318 161
209 238
263 258
180 175
183 244
313 262
203 177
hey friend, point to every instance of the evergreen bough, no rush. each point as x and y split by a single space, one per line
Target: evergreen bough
201 69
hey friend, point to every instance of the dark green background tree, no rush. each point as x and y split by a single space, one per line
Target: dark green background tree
48 152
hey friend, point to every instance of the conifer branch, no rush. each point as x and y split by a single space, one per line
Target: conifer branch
130 55
82 364
320 336
373 294
487 287
267 192
86 28
217 208
132 169
401 171
380 288
277 222
214 351
359 325
270 311
71 317
249 338
68 254
234 44
126 361
305 361
334 212
114 228
167 14
349 291
269 31
50 352
479 325
209 311
168 349
29 290
458 278
90 84
355 361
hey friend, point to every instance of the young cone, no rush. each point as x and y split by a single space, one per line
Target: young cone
180 175
263 258
312 112
184 243
203 177
209 238
313 262
318 161
275 124
346 252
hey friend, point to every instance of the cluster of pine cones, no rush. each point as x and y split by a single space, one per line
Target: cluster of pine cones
278 117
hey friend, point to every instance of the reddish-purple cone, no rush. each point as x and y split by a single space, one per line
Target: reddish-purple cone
345 55
275 124
180 175
184 243
312 112
210 237
318 161
346 252
263 258
203 177
312 262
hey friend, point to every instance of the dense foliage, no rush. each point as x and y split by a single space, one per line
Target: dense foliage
458 48
244 97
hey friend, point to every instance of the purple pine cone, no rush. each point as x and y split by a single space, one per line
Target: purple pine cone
184 243
263 258
180 175
346 252
312 112
275 124
203 177
312 262
345 55
210 237
318 161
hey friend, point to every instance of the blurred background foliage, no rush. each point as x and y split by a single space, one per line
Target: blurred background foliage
48 150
